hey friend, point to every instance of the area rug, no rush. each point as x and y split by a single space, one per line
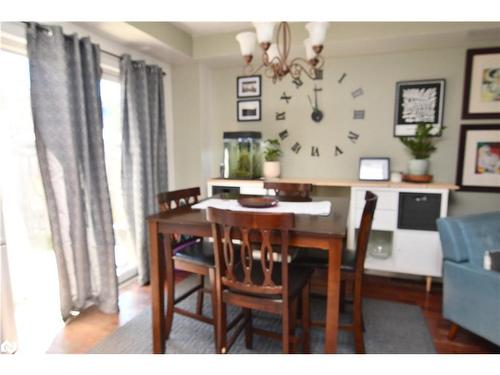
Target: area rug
390 328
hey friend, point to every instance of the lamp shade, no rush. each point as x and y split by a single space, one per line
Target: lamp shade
273 53
317 32
265 31
247 42
310 54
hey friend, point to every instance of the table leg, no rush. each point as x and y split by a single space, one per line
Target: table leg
157 260
333 295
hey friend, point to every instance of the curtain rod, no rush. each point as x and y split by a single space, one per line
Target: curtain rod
102 50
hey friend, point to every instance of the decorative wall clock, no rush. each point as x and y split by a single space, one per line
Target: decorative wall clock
317 115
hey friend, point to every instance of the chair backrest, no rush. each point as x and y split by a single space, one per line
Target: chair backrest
290 191
171 200
364 230
178 199
233 231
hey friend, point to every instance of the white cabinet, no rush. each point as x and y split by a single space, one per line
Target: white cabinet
394 245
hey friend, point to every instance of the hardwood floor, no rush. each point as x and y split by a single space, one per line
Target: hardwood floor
92 326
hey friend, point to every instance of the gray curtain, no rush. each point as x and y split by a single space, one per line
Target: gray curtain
67 116
144 152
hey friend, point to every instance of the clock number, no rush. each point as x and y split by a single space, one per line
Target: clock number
283 134
297 82
358 114
314 151
342 78
285 97
353 136
318 74
280 116
296 147
338 151
357 92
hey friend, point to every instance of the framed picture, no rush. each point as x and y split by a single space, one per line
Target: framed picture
248 110
478 167
482 84
418 101
374 169
248 86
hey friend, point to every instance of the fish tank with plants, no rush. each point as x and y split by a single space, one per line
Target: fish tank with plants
242 155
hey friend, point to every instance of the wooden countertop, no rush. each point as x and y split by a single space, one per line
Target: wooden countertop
338 183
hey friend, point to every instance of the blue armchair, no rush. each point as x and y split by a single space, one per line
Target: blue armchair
471 294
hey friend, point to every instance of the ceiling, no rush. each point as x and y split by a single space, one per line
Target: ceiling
207 28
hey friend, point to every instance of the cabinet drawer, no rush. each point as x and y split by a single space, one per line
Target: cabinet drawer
382 219
387 200
419 211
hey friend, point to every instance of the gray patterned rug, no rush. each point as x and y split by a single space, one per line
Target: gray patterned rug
390 328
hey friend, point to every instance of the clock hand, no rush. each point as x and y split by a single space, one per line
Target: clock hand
310 102
315 98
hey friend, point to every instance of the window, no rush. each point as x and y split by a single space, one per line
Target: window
31 256
111 101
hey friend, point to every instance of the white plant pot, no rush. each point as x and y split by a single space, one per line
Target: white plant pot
272 169
418 167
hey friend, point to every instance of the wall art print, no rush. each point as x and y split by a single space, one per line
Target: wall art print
416 102
482 84
478 166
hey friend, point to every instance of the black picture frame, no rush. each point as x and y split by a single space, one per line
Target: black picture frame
475 85
469 177
249 86
419 95
383 163
252 112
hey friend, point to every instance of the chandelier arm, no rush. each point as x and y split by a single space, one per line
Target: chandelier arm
249 69
299 65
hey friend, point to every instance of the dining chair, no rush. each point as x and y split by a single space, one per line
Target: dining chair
290 191
190 254
352 269
264 285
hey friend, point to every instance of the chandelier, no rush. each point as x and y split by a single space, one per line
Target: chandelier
275 54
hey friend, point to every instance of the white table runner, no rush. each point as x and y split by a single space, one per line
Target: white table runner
321 208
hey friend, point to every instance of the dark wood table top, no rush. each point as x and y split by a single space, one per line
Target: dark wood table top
333 225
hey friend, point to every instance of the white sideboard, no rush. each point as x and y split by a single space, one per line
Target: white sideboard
402 240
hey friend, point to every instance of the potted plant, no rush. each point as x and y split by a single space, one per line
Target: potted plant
272 154
421 146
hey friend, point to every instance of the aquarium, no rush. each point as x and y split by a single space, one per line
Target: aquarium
242 155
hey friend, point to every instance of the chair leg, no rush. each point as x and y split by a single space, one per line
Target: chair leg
452 333
357 319
342 296
306 318
199 300
248 329
222 323
170 278
285 330
293 322
211 279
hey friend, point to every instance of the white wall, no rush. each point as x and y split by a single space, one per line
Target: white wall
377 75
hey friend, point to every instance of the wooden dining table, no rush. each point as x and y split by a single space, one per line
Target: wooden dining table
310 231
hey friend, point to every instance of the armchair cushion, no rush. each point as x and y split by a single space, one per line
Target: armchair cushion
471 298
